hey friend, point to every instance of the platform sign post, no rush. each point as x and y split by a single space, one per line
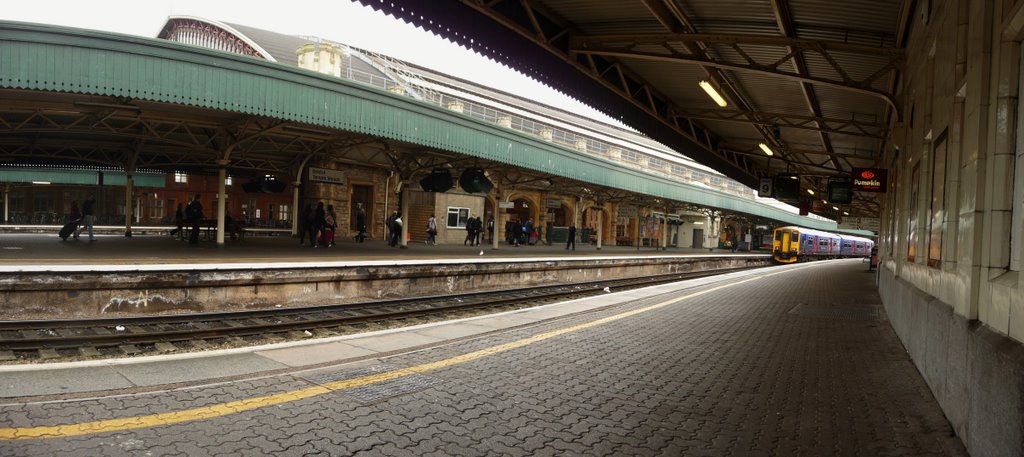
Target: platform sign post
870 224
326 175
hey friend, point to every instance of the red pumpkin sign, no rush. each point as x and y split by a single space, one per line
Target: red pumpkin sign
869 180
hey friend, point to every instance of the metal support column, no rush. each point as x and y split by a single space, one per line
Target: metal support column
403 242
129 203
222 176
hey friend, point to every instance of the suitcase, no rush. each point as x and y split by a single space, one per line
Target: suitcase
327 238
68 229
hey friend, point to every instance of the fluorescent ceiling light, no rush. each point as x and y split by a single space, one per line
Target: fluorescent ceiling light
698 223
810 191
766 149
713 93
846 213
836 208
41 182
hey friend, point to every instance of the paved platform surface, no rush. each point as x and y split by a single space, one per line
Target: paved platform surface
791 360
110 248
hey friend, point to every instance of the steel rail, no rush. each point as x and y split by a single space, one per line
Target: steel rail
29 337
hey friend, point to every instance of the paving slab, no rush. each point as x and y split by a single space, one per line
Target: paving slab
315 355
43 381
196 369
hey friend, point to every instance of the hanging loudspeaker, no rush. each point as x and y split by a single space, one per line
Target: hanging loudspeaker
474 181
440 180
251 187
273 186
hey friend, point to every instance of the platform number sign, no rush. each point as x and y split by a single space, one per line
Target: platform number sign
765 189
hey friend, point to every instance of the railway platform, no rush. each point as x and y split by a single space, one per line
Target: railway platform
787 360
43 277
41 246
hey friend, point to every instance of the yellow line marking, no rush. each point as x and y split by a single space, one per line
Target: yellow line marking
224 409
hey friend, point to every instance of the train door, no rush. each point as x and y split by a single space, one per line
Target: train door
783 237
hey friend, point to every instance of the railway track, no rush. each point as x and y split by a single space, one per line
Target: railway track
64 339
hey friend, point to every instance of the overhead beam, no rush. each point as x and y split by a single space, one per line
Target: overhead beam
818 123
859 87
785 22
819 46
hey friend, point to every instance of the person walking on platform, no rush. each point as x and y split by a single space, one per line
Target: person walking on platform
490 229
361 224
517 232
395 228
195 216
330 227
431 231
316 226
571 242
471 230
528 231
478 230
179 221
88 217
304 218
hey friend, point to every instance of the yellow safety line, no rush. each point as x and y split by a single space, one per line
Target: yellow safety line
224 409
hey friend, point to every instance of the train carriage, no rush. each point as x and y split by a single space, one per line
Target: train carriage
795 244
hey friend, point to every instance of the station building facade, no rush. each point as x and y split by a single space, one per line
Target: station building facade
375 191
953 226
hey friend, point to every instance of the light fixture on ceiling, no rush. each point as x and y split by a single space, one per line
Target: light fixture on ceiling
810 191
835 208
44 183
713 93
766 149
846 213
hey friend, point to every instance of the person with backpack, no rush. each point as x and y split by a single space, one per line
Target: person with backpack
395 226
470 230
194 211
361 224
330 225
431 231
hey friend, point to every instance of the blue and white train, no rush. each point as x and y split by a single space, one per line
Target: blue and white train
797 244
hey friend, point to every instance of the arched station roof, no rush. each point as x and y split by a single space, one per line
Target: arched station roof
165 105
815 81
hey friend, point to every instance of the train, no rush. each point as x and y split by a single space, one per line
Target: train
797 244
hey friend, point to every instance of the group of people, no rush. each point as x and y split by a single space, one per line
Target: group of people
193 215
518 232
474 227
318 224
